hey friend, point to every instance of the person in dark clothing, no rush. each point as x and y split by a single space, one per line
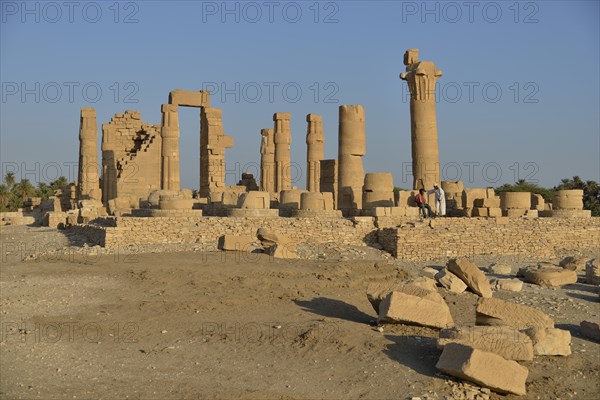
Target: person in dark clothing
420 200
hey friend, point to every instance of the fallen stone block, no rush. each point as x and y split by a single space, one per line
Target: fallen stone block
547 276
237 243
483 368
500 269
376 292
590 329
424 282
550 341
404 308
592 272
506 341
509 285
283 250
573 263
501 312
268 237
450 281
471 275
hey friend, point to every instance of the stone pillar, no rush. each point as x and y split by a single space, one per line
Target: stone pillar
109 170
283 140
315 151
351 148
421 77
169 132
88 182
213 143
267 160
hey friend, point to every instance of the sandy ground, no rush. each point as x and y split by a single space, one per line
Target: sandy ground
233 325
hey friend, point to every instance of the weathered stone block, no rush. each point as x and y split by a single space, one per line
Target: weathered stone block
450 281
483 368
548 276
501 312
400 307
506 341
550 341
471 275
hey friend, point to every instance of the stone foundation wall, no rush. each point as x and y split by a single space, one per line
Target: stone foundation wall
405 238
453 237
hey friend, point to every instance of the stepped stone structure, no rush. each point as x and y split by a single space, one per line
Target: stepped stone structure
267 160
131 157
88 182
352 147
421 77
283 140
315 151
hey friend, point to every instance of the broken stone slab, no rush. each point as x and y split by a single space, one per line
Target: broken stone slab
376 292
268 237
501 312
509 285
404 308
483 368
450 281
573 263
500 269
471 275
547 276
506 341
592 272
237 243
590 329
424 282
550 341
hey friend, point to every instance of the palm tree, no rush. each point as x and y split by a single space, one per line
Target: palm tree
4 197
23 189
9 179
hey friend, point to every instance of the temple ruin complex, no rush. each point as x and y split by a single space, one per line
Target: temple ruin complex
138 184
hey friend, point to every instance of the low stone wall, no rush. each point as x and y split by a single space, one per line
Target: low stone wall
453 237
405 238
207 230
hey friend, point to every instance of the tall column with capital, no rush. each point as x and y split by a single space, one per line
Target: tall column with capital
169 132
283 140
267 160
421 77
88 182
315 151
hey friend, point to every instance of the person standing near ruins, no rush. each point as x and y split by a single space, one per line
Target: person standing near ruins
440 200
420 200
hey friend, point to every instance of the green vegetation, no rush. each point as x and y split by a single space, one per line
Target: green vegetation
13 194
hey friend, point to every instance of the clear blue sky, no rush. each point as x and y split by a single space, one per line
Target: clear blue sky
543 56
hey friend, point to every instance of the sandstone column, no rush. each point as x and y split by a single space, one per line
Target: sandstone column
283 139
421 77
213 143
351 147
169 132
267 160
315 151
88 182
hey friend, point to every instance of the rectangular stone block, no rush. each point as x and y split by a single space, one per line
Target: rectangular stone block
483 368
237 243
480 212
495 212
506 341
493 311
188 98
404 308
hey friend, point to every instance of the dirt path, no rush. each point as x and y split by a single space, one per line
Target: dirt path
225 325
